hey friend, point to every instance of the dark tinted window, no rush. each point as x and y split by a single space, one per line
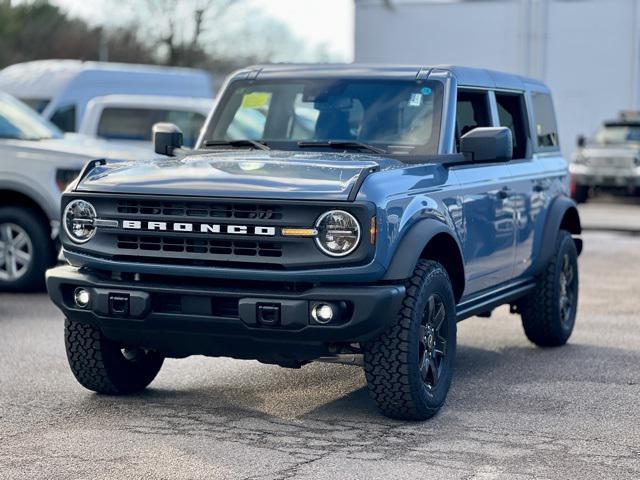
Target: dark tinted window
65 118
546 128
472 110
511 113
38 104
126 123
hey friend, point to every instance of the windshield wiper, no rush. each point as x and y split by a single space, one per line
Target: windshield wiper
342 144
237 143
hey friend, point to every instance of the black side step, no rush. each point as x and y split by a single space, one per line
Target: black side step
491 300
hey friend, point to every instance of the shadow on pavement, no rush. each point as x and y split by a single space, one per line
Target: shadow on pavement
501 380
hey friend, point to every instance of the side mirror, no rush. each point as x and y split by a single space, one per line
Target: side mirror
581 141
166 138
488 144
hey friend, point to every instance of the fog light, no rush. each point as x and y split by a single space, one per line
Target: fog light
82 297
322 313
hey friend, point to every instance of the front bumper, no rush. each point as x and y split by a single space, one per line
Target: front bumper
180 319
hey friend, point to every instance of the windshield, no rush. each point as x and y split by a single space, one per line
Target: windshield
617 134
20 122
396 115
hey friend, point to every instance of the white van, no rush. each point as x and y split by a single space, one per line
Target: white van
61 90
130 118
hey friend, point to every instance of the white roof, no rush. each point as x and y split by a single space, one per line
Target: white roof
46 78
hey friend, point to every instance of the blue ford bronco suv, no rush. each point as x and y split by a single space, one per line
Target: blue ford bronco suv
327 211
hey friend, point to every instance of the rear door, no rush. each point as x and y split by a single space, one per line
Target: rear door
530 183
487 233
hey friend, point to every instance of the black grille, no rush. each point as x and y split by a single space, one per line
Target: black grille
199 246
199 209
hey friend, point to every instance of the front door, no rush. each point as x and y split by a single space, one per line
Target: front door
487 233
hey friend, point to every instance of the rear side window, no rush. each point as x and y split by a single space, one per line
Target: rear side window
511 114
125 123
65 118
472 111
546 127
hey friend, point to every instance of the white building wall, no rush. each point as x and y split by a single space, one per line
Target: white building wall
587 51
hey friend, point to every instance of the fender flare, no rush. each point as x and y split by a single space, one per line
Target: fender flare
36 197
412 245
558 211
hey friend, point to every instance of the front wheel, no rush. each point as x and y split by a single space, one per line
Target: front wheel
101 365
409 367
26 250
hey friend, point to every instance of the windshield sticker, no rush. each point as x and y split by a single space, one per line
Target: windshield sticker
256 99
426 91
415 100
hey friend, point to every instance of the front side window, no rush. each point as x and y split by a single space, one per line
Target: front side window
511 114
397 115
18 121
546 128
130 123
472 111
617 133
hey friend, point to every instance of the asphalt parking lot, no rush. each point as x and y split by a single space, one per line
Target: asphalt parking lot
514 411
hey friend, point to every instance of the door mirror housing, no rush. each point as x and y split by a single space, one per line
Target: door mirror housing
581 141
166 138
487 144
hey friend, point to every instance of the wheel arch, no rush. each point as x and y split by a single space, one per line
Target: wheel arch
429 240
563 215
10 197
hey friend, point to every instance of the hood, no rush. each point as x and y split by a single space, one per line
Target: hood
600 151
82 147
244 174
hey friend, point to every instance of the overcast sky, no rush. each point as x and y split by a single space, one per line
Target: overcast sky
328 22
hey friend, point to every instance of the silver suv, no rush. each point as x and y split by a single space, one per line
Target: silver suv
610 160
37 161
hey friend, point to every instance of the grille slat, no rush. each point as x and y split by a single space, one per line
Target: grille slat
200 246
199 209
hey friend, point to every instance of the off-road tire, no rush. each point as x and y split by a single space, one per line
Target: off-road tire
43 255
100 365
392 361
541 311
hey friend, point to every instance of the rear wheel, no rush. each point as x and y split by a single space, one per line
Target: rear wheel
101 365
409 367
25 249
549 312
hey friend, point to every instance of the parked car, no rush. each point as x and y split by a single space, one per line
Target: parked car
609 160
62 91
130 118
421 196
37 162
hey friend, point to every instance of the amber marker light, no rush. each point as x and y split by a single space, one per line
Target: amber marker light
373 229
299 232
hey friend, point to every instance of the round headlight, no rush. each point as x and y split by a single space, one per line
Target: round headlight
338 233
78 221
